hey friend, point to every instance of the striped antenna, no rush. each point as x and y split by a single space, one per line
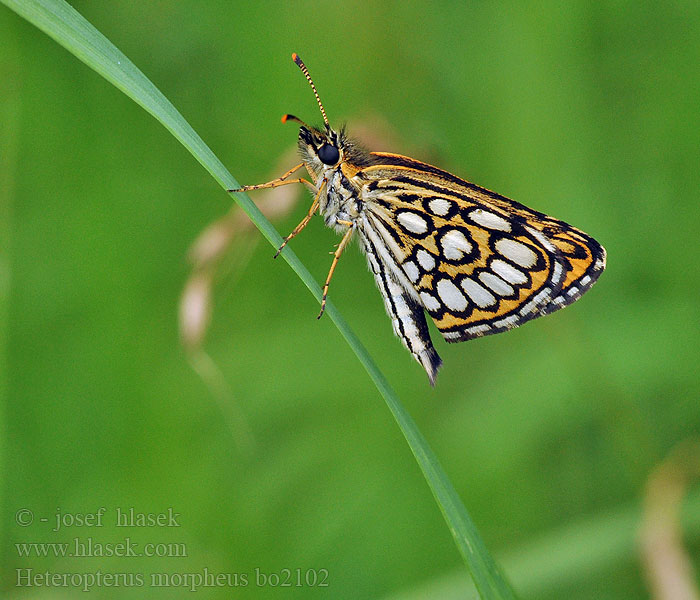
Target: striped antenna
305 71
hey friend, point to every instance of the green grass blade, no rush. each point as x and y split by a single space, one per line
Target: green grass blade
61 22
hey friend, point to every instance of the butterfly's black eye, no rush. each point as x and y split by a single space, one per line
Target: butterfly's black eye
328 154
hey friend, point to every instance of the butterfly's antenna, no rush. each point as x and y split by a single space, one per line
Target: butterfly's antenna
286 118
305 71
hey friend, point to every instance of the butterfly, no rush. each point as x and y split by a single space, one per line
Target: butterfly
476 262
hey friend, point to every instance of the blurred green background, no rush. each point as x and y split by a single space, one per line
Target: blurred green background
586 111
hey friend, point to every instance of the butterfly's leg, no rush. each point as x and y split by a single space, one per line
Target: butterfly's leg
275 182
336 256
305 220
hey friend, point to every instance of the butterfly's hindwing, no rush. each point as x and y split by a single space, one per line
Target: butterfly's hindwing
479 262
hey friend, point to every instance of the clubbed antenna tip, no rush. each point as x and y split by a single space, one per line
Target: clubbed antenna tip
300 63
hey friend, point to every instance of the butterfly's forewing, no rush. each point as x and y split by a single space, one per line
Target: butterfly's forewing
478 262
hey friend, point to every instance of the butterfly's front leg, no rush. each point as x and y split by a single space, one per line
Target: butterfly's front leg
276 182
336 255
305 220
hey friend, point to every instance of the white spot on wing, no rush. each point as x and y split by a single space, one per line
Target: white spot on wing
508 272
455 245
508 322
489 220
557 273
425 259
536 302
412 222
451 296
540 237
516 252
429 301
479 329
411 270
452 335
495 283
400 305
478 293
439 206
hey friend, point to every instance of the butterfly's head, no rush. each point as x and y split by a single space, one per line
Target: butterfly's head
320 148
